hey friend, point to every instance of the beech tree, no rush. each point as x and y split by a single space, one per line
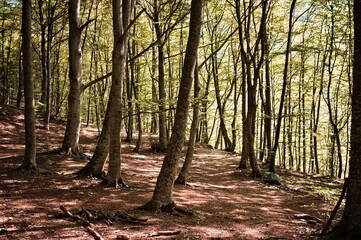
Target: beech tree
272 155
121 19
71 136
162 195
349 228
29 162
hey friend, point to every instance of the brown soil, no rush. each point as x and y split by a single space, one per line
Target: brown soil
227 203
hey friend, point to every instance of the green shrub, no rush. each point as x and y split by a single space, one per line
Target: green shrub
272 178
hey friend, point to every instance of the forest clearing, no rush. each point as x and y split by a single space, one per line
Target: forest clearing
226 203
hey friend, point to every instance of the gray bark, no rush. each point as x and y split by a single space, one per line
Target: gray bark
162 195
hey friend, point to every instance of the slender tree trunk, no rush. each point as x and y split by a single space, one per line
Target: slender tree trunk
272 155
29 161
183 174
222 125
162 143
162 195
21 80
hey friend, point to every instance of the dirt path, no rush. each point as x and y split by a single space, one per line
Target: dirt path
227 204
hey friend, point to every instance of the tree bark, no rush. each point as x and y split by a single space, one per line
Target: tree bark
121 20
162 194
349 227
272 156
29 161
162 143
71 137
183 174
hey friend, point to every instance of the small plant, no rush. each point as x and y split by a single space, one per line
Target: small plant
272 178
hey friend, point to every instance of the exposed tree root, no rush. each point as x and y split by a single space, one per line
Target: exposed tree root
87 171
29 169
88 217
167 208
120 183
180 181
242 166
76 152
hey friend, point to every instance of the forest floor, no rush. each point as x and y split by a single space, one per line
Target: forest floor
227 203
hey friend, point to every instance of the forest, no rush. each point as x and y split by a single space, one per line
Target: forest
182 119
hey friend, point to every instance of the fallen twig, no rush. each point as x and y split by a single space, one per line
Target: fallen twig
164 233
94 233
75 217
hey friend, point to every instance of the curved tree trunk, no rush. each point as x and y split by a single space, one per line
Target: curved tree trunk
162 195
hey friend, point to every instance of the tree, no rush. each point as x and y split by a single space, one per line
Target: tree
29 162
121 19
71 137
162 195
183 174
349 228
253 61
272 156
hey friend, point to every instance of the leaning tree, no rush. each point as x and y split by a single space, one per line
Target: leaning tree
162 195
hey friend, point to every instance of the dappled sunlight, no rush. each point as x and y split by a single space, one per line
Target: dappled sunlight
227 203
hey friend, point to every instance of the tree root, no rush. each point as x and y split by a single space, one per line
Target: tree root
29 169
166 208
76 153
120 183
87 171
88 217
180 181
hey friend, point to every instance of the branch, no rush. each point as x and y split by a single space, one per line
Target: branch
132 23
148 112
75 217
86 24
164 34
95 81
219 48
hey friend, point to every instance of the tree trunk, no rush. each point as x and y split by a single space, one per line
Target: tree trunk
349 227
183 174
29 161
272 155
71 137
162 143
95 166
162 195
121 19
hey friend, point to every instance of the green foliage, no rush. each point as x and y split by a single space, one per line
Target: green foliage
272 178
